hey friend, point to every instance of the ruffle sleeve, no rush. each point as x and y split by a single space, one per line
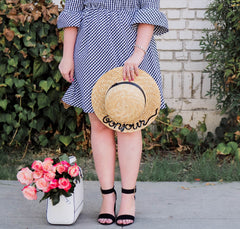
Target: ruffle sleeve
71 16
149 14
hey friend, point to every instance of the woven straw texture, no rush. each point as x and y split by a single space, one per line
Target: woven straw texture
119 119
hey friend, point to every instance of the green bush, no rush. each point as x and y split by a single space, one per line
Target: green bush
169 134
31 85
223 53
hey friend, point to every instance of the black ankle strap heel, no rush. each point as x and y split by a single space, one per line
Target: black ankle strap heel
126 217
107 215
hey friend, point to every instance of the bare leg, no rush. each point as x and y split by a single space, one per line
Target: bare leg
129 154
104 154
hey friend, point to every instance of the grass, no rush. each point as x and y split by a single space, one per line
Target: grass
153 168
189 169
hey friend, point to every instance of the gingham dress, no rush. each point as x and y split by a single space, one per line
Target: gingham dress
105 40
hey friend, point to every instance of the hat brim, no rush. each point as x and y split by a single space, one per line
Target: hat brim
150 88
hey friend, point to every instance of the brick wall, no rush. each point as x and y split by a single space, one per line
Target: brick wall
181 60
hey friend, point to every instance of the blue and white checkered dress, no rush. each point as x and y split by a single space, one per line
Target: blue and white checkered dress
106 37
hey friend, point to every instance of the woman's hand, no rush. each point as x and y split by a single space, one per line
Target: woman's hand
130 68
66 68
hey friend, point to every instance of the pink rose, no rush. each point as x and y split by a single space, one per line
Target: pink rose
73 171
60 168
30 192
64 183
25 176
53 184
42 185
37 175
49 176
48 189
66 165
47 165
37 165
48 159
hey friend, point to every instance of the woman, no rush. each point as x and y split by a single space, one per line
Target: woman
100 35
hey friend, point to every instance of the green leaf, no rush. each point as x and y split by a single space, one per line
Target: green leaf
43 101
58 56
26 63
31 104
21 134
39 68
17 43
223 149
67 194
234 146
16 32
19 83
192 138
39 124
43 31
64 157
2 41
9 82
31 115
55 199
3 104
66 140
43 140
177 121
33 52
13 61
22 116
51 113
169 128
57 76
18 108
238 154
10 69
46 84
2 117
78 110
71 124
8 129
30 40
10 118
202 127
3 69
185 132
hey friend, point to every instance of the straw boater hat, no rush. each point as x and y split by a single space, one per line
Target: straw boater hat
126 106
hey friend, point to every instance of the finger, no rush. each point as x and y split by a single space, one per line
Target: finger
67 77
71 75
124 73
128 74
132 73
136 70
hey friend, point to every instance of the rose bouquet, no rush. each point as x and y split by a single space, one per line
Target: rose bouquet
53 177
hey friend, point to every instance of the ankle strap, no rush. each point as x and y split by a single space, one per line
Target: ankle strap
108 191
129 191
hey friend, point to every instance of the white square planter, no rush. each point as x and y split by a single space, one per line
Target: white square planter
68 209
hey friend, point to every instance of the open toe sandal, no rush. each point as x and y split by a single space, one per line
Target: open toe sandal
126 217
107 215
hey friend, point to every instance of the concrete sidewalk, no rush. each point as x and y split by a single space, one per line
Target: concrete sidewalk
164 205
